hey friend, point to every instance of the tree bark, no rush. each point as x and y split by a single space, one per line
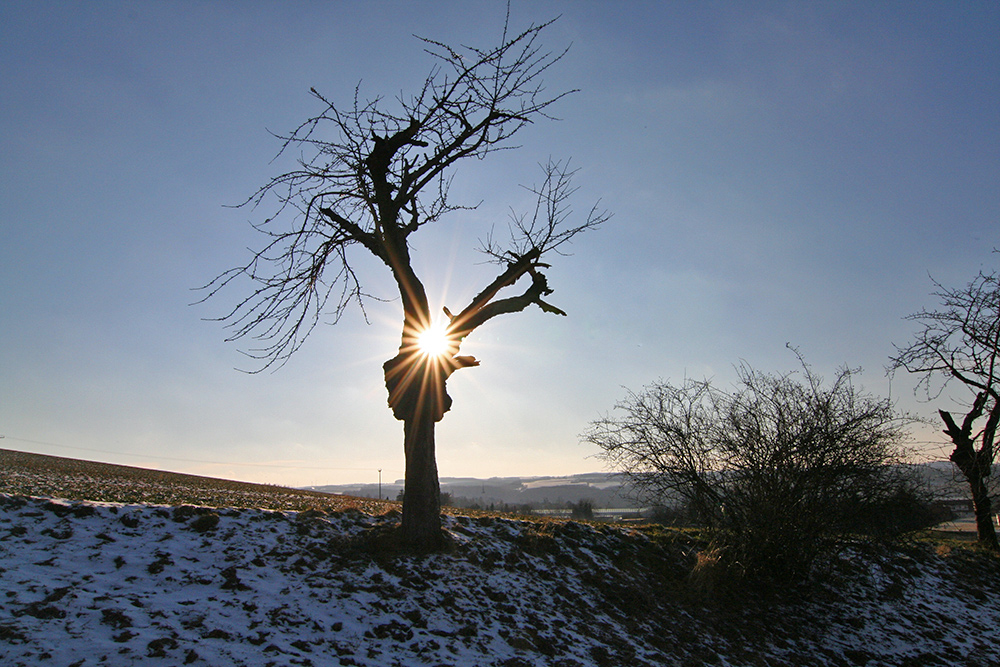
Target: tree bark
421 526
983 506
418 398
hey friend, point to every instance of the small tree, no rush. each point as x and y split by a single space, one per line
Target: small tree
584 509
372 175
771 468
961 342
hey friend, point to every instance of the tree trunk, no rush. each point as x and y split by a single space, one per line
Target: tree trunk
975 466
976 475
983 507
417 396
421 527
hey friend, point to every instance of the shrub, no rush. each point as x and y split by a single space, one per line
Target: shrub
773 468
204 522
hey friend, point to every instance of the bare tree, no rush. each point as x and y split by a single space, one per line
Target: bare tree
382 177
961 342
771 467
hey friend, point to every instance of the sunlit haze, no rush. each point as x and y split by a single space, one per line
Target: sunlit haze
779 172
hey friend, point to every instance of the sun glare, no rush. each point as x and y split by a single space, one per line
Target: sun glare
433 341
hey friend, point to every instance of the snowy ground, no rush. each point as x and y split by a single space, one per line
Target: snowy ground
87 583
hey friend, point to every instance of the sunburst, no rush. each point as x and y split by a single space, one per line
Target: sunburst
433 341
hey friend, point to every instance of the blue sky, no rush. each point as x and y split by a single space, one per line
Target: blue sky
779 172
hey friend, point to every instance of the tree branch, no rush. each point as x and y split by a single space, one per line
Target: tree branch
382 176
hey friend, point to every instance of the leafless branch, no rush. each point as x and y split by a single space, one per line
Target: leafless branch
373 172
960 342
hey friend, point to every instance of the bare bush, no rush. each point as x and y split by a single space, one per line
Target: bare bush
772 468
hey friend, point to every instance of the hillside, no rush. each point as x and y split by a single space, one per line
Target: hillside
125 583
27 474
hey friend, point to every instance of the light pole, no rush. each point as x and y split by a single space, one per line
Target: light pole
380 484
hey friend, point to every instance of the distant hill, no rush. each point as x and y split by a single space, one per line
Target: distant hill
604 490
601 489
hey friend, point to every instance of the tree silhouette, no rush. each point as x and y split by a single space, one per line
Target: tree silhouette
961 342
383 177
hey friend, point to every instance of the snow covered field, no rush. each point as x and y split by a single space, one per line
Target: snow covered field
132 572
87 583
